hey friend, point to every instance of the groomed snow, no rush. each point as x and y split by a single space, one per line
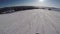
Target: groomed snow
30 22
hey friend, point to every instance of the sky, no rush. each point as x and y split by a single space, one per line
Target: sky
47 3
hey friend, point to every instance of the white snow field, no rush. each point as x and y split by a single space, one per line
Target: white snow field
30 22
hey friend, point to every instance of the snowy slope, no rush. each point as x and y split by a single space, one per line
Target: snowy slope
30 22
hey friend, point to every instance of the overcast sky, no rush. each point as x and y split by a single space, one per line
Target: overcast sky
51 3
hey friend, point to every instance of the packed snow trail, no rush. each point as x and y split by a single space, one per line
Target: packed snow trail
30 22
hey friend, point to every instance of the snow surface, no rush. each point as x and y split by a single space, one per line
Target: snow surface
30 22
